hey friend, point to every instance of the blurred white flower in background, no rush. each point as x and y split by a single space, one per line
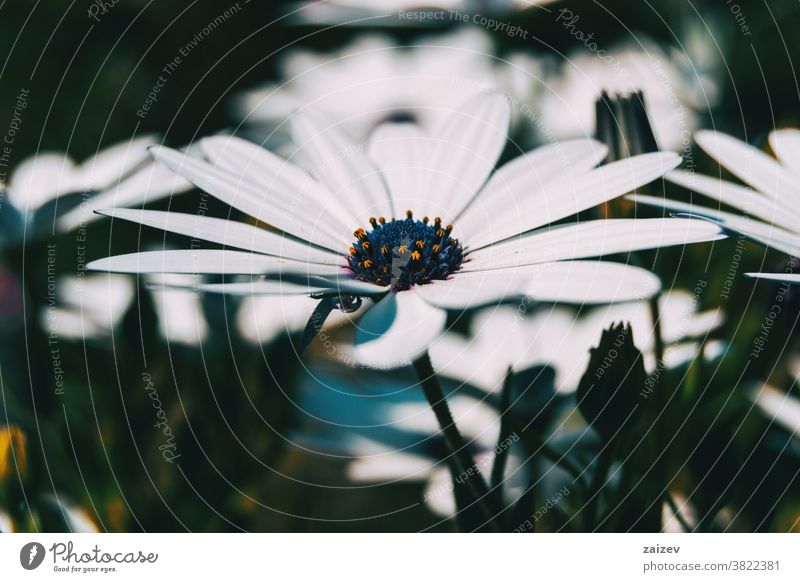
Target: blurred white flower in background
779 406
88 306
390 12
122 175
178 308
675 96
373 80
504 338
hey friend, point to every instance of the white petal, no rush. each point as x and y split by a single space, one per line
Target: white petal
751 165
342 166
791 278
229 233
403 154
390 467
257 287
744 199
296 216
771 236
203 261
397 330
298 285
592 239
566 197
786 144
529 173
467 290
261 167
591 282
466 150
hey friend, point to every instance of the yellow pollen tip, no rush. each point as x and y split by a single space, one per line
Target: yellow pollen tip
420 244
425 219
382 220
437 221
409 214
384 249
435 248
353 250
403 249
415 256
368 264
365 245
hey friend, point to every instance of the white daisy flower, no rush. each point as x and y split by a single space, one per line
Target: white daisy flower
414 265
503 338
372 80
121 175
392 12
179 310
87 306
674 97
770 201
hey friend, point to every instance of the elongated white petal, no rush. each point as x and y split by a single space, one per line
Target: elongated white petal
153 182
403 154
397 330
744 199
751 165
468 290
587 282
566 197
466 150
786 144
342 166
771 236
295 216
262 168
792 278
247 288
202 261
529 173
594 238
229 233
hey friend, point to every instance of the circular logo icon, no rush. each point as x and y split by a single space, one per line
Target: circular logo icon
31 555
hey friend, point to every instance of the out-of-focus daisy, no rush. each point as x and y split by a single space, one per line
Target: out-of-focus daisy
502 338
178 308
366 224
674 97
87 306
372 80
770 203
121 175
396 12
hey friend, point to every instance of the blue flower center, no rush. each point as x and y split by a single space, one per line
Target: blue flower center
402 253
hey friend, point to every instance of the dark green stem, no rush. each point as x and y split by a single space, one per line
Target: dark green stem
463 462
